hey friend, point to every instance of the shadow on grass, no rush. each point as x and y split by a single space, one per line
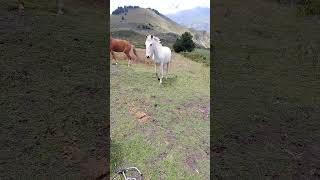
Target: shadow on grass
117 159
116 156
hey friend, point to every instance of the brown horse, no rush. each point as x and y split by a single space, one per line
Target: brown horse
119 45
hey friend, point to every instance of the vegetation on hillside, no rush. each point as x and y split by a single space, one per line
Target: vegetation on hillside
185 46
123 9
145 26
198 55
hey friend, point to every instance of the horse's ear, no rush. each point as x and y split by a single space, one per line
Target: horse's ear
151 36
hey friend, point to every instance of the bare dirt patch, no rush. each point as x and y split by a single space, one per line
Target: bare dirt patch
141 116
160 157
202 104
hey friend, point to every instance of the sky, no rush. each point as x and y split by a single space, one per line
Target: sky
163 6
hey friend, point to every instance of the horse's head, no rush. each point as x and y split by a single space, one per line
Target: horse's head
149 44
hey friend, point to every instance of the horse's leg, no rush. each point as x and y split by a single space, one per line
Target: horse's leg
129 59
161 66
167 70
113 57
156 67
127 52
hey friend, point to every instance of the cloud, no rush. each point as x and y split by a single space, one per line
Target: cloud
164 6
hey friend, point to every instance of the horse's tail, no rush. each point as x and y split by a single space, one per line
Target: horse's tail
134 51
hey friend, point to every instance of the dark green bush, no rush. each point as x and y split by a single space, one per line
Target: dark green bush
184 43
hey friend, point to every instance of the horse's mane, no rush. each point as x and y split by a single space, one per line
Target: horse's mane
157 40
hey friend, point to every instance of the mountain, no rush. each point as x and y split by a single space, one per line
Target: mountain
135 22
197 18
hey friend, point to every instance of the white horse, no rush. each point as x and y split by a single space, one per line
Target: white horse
160 54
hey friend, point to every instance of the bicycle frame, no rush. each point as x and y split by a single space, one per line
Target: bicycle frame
124 171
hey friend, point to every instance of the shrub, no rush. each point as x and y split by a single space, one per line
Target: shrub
184 43
144 27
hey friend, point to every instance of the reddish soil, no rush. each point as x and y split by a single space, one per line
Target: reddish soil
141 116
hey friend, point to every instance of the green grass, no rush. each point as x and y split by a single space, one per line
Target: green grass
204 52
198 55
179 130
266 92
53 91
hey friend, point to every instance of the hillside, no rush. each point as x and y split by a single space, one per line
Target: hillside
146 21
197 18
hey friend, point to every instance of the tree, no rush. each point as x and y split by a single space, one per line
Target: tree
184 43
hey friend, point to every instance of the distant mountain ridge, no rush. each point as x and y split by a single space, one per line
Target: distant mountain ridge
197 18
134 23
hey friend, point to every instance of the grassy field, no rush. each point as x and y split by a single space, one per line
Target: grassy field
198 55
203 52
53 91
172 140
266 87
